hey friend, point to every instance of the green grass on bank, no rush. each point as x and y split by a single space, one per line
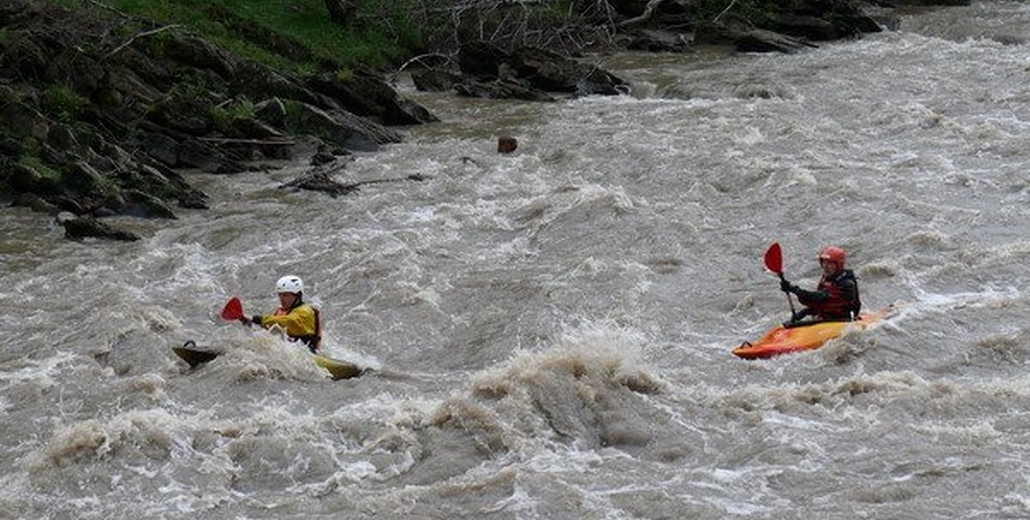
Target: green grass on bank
383 34
270 31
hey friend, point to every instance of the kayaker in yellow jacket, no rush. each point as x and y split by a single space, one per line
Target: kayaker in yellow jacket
299 320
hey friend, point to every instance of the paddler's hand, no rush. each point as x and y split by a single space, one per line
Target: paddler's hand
786 286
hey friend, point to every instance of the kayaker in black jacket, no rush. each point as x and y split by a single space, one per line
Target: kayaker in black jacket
836 297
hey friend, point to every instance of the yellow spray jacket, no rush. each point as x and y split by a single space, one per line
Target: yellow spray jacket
300 323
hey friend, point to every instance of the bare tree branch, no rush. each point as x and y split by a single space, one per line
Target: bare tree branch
716 19
517 23
651 4
138 36
417 59
105 6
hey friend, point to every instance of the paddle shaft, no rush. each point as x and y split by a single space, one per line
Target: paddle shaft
790 301
774 262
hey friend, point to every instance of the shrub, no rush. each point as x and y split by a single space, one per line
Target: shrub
61 103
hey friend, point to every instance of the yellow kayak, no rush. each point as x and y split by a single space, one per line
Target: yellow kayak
337 369
806 336
195 355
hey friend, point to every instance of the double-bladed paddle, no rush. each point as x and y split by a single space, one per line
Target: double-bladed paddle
774 262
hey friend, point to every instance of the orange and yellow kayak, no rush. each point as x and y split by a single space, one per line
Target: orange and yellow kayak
783 340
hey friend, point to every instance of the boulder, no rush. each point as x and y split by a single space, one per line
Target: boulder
75 69
322 156
824 21
435 80
193 153
187 114
25 179
364 94
931 2
69 205
23 53
501 90
159 146
744 37
529 68
253 128
481 60
193 201
258 81
35 203
341 128
21 120
21 178
83 179
62 138
318 180
10 147
271 111
77 228
199 53
139 204
650 40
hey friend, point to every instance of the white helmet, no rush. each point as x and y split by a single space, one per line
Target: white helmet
289 284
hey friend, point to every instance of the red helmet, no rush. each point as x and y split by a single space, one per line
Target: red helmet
833 254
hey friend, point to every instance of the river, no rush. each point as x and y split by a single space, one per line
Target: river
550 330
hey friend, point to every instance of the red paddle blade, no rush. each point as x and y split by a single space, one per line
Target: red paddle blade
233 309
774 258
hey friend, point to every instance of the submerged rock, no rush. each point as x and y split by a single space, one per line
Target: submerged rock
77 228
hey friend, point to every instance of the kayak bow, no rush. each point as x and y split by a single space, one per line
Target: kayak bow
194 355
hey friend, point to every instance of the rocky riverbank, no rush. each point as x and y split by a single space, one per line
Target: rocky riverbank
100 112
98 120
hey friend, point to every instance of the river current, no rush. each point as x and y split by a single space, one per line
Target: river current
551 329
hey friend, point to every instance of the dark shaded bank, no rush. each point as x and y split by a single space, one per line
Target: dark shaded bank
100 110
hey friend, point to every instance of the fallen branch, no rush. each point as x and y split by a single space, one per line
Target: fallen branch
418 59
138 36
651 4
322 181
105 6
725 10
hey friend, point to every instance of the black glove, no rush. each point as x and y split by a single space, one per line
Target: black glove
786 287
256 319
795 318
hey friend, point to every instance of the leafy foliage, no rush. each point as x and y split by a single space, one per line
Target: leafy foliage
32 161
61 103
224 116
